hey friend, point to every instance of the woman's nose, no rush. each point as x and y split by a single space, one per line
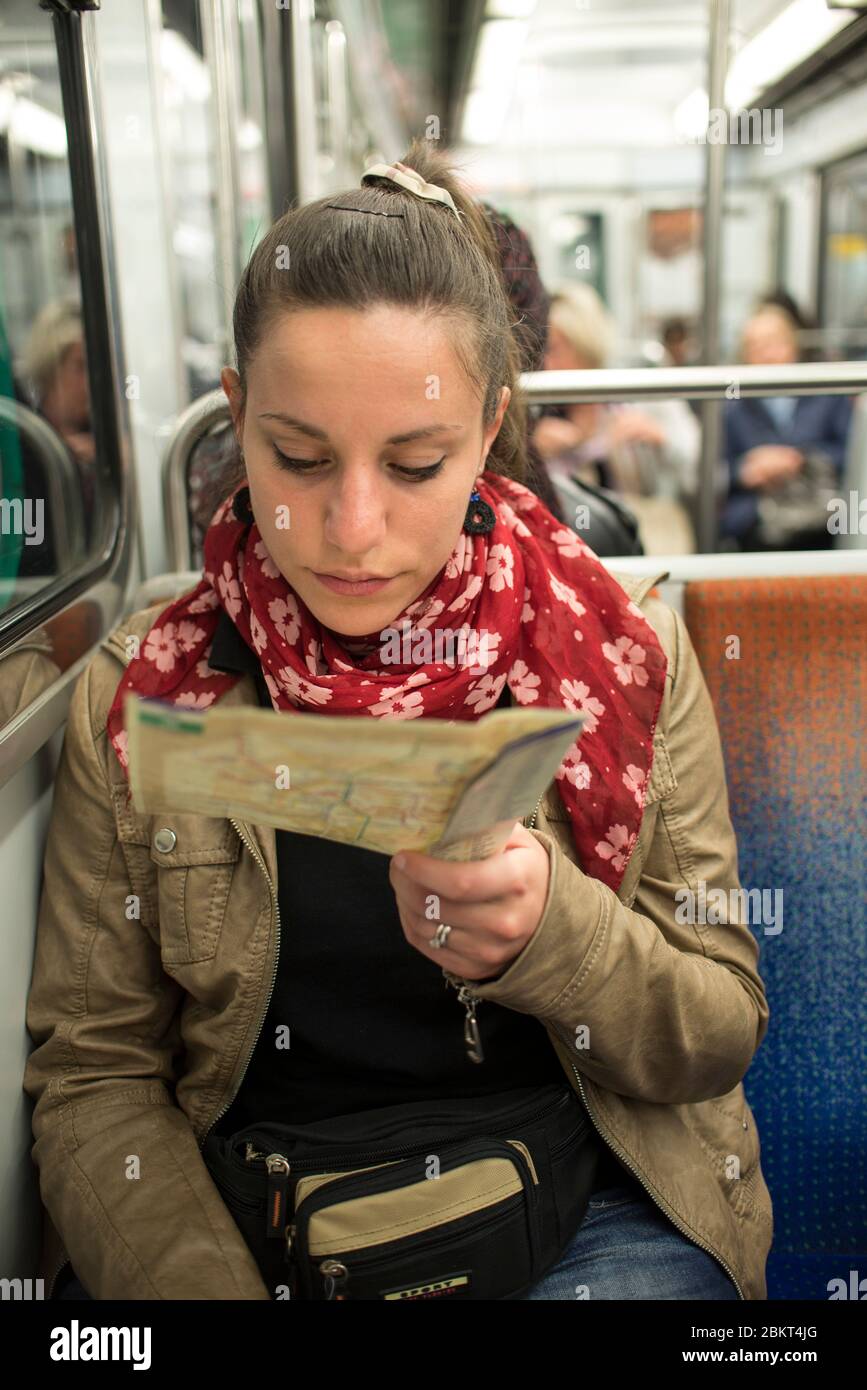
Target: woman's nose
356 516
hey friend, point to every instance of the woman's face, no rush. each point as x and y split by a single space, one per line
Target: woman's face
385 437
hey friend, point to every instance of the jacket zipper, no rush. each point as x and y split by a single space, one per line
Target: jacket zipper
263 866
627 1161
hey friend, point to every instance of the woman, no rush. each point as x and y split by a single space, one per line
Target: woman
374 391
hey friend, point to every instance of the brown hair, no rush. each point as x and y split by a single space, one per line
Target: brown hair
421 255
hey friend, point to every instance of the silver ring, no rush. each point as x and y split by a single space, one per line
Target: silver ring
440 936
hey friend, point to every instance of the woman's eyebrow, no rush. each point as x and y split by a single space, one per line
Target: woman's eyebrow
316 433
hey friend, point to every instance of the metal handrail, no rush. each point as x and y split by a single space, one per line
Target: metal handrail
539 388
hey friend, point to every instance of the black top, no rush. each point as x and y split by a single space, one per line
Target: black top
368 1020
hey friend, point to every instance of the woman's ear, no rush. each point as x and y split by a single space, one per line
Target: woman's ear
231 384
494 427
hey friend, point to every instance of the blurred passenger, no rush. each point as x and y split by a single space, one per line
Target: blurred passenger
678 341
645 453
55 366
785 454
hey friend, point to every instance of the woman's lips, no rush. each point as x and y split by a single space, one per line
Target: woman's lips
347 586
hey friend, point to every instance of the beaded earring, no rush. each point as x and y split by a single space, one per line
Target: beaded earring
480 518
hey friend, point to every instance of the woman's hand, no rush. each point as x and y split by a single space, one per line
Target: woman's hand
493 906
769 465
553 436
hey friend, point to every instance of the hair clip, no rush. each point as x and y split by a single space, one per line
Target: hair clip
412 182
374 212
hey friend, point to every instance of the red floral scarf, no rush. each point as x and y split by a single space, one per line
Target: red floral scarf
548 619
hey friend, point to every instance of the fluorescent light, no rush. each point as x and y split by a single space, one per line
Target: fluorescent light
493 79
182 65
798 31
37 129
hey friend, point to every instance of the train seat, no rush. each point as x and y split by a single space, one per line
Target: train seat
792 712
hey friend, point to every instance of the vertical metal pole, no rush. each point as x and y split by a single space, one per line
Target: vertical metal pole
219 35
713 235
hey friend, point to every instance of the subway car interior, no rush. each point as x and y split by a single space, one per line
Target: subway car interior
680 194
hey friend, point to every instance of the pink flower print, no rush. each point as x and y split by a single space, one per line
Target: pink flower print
315 665
301 691
634 779
574 769
430 611
258 634
269 569
576 696
512 520
617 846
499 567
190 700
635 611
475 651
484 694
474 584
566 594
273 688
286 618
162 648
628 660
527 612
230 593
121 745
207 600
397 704
523 684
204 671
522 497
189 635
569 544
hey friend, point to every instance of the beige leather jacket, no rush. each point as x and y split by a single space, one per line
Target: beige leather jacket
144 1024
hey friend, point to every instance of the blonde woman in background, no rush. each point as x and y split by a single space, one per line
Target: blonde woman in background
648 455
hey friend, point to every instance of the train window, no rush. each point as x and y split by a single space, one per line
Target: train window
844 259
57 489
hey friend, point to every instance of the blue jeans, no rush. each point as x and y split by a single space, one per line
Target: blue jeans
625 1248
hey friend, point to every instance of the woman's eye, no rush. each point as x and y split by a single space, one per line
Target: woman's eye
414 475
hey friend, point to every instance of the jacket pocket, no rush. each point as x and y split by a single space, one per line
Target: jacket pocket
194 857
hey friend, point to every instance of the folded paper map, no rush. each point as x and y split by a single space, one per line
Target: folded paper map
447 787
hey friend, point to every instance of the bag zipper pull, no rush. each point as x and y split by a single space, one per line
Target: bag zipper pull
278 1187
335 1275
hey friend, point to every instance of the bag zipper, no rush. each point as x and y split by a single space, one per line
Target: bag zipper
336 1272
386 1155
627 1162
